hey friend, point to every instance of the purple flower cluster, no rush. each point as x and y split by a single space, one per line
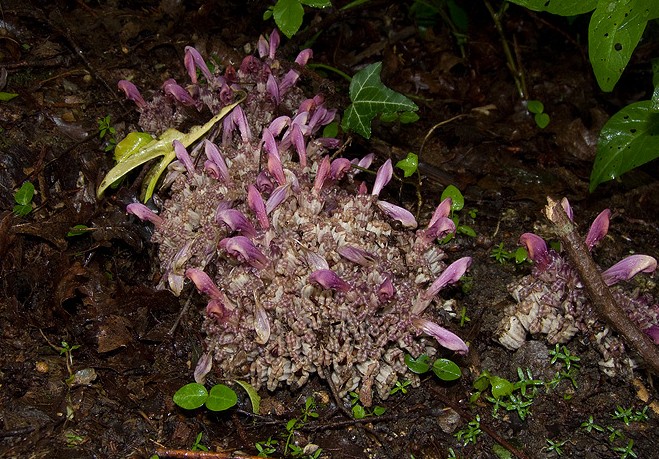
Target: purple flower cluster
305 270
552 300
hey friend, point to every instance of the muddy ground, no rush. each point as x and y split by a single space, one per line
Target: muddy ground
96 291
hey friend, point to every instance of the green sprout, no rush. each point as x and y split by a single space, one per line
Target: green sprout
538 109
197 446
194 395
470 433
107 132
23 198
265 448
400 387
555 446
626 451
590 425
358 410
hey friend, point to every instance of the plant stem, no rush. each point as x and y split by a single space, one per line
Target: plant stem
597 290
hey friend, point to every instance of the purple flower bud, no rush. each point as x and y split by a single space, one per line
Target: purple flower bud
228 126
192 61
218 311
628 268
386 291
214 155
451 275
443 210
298 140
339 167
288 81
537 249
598 229
565 204
132 93
204 283
244 250
275 168
178 93
278 124
444 337
263 183
212 170
383 176
278 196
395 212
255 202
274 43
356 255
144 213
250 66
322 174
240 119
303 57
183 156
328 142
262 46
362 190
226 94
204 366
235 220
439 229
366 161
261 323
316 262
273 89
328 279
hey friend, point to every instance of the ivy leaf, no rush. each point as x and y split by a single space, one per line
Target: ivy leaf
370 98
629 139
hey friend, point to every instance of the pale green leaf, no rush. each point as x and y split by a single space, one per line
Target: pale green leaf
560 7
24 194
254 397
191 396
221 398
371 98
629 139
7 96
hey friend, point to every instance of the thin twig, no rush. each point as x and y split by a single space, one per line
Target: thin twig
597 290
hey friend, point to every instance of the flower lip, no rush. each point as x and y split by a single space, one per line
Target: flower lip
447 339
628 268
395 212
204 283
214 155
328 279
235 220
144 213
356 255
537 248
450 275
383 176
244 250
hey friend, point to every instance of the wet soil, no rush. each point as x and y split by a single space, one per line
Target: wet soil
110 396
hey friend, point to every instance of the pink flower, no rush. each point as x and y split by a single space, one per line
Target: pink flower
132 93
383 176
144 213
183 156
244 250
192 61
447 339
537 249
628 268
395 212
598 229
328 279
451 275
255 202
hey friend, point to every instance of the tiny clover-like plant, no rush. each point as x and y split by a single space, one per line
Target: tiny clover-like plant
628 415
359 411
107 133
23 198
444 369
288 14
457 204
538 109
194 395
371 98
563 355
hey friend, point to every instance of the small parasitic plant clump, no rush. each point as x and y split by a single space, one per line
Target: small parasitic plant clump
305 270
552 299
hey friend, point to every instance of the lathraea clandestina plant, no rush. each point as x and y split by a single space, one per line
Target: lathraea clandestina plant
553 301
305 271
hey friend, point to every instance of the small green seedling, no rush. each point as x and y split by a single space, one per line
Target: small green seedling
457 204
555 446
538 109
358 410
197 446
444 369
78 230
470 433
266 448
590 425
23 198
194 395
569 367
401 386
500 254
627 415
518 396
409 165
626 451
107 133
308 412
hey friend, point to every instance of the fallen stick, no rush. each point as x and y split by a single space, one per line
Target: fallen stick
597 290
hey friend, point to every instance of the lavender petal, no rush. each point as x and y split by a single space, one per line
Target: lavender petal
445 338
628 268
